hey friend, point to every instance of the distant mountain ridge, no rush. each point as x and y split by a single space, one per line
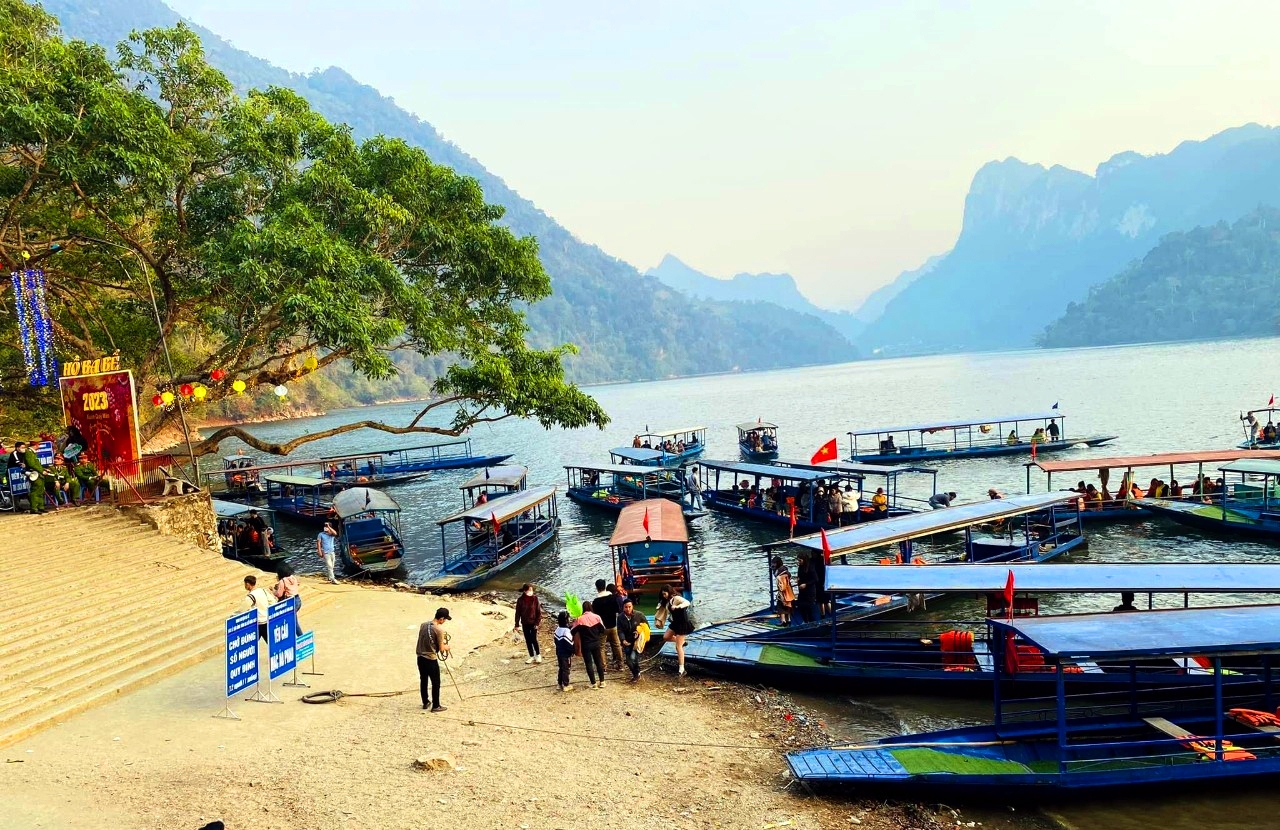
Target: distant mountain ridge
776 289
627 326
1035 239
1210 282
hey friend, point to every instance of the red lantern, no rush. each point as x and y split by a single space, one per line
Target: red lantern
186 389
217 375
157 400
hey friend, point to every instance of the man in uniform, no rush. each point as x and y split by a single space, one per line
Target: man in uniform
35 477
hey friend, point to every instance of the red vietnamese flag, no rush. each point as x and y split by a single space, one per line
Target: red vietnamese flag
826 546
1272 402
1008 594
793 520
827 452
645 523
496 524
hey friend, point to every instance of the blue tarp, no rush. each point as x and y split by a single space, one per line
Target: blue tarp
1092 578
1192 631
888 531
968 422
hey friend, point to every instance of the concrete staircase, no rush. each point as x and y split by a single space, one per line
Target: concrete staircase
95 604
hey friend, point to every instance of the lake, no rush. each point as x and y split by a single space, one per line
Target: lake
1156 398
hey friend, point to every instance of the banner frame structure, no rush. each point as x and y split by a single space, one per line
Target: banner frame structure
281 645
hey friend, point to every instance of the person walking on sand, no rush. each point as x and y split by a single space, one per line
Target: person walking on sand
589 629
606 607
630 630
287 585
564 651
679 623
528 618
433 645
259 601
327 549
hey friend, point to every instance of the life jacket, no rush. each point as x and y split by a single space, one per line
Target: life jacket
1252 717
957 651
1208 749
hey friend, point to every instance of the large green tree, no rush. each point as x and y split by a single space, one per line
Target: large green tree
274 243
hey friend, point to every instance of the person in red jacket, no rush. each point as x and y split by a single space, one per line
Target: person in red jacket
528 616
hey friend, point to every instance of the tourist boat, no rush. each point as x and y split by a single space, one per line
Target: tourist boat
650 545
486 539
723 491
676 445
1126 741
612 487
941 656
975 438
885 477
228 514
240 478
494 481
758 441
1111 509
368 524
1256 434
442 455
1019 529
301 498
638 456
1246 501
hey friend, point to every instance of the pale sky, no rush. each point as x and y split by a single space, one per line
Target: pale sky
832 140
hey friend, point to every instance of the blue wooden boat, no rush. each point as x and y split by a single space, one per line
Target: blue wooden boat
611 487
240 478
1131 740
1245 502
486 539
939 656
369 537
441 455
758 441
1259 436
492 482
1109 508
768 492
232 518
894 481
973 438
304 499
648 559
675 445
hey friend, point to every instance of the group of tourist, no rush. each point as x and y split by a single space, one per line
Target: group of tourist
761 441
69 480
260 600
668 445
832 505
805 595
1093 497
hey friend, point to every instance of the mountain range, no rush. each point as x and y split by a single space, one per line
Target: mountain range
626 326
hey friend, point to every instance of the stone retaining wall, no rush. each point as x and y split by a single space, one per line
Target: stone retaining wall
188 517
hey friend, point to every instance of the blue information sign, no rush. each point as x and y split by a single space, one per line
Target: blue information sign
280 636
306 646
242 651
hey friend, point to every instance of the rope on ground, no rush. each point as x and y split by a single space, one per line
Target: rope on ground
338 694
566 734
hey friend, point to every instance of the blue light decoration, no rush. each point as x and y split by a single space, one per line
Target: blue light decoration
35 328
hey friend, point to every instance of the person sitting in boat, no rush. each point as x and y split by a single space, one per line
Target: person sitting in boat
1126 603
1122 494
753 496
693 441
1175 489
1106 494
1053 431
482 498
1092 498
1037 437
680 446
646 445
736 493
1080 488
994 494
1269 433
1156 489
880 503
835 505
1012 440
1135 492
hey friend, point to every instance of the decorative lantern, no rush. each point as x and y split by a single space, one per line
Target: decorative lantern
239 387
217 375
186 389
166 397
157 400
281 391
310 364
200 392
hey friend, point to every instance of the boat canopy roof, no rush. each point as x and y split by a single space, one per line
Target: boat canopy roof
769 470
1261 466
504 507
1175 631
670 433
1161 459
228 459
969 422
638 453
509 475
359 500
231 509
915 525
620 469
750 425
855 468
666 523
1081 578
297 481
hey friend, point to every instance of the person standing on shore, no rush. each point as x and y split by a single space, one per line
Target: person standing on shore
528 617
327 549
564 650
784 593
589 629
35 478
433 644
606 607
630 631
259 601
287 585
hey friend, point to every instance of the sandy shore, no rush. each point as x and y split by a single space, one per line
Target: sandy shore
696 753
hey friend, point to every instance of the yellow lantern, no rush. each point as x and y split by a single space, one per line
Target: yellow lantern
239 387
200 392
281 391
310 363
166 397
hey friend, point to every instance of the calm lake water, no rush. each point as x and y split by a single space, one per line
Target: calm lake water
1155 398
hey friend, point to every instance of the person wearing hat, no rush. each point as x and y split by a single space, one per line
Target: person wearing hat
433 645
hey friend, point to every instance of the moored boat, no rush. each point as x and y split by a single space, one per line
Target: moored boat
1134 739
758 441
302 498
442 455
494 481
369 537
675 445
611 487
1245 501
238 537
971 438
650 545
486 539
1259 436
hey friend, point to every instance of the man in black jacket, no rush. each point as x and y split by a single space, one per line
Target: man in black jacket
605 604
629 622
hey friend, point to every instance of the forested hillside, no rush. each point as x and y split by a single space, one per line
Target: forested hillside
1216 281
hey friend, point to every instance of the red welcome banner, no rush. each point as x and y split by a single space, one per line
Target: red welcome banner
105 409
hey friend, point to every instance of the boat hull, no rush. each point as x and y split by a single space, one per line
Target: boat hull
984 451
1209 518
803 526
749 454
457 582
457 463
616 503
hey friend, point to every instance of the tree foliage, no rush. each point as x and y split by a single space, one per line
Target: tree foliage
275 243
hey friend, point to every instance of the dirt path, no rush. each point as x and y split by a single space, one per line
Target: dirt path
691 754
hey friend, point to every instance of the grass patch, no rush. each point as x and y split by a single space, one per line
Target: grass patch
921 761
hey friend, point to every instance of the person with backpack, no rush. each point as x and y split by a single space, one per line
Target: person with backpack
676 610
589 629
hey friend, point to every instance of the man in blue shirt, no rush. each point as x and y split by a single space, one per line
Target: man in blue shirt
326 548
